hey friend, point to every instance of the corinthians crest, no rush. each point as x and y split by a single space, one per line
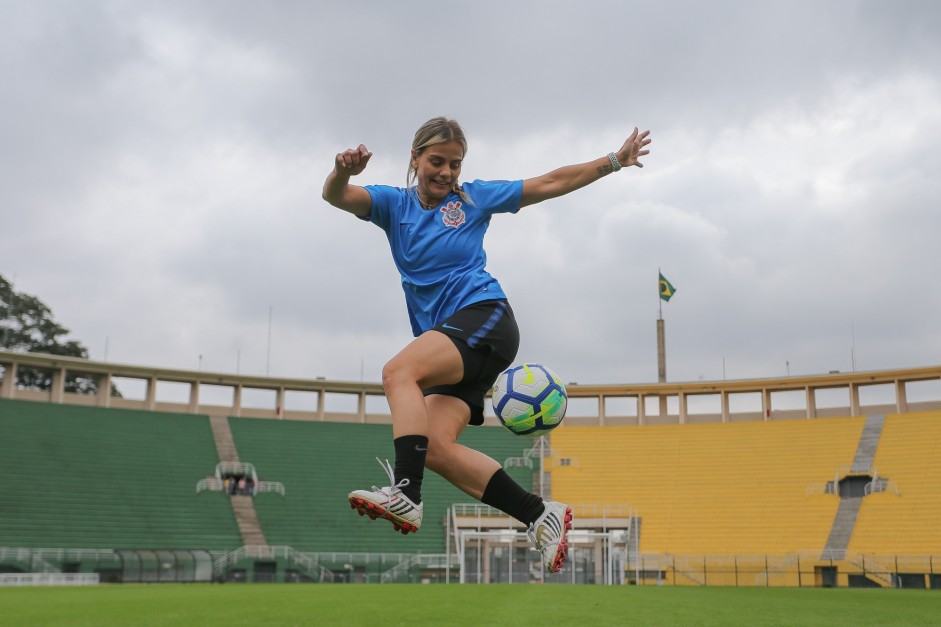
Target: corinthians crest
453 214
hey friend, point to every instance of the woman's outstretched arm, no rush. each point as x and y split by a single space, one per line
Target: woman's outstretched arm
571 177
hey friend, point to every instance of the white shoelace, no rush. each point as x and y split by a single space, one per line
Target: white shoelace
393 487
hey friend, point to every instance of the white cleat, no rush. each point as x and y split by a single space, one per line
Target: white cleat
548 534
389 503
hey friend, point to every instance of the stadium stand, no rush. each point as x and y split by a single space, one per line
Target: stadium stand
905 519
749 495
83 477
711 488
319 463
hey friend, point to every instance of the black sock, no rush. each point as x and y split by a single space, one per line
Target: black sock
410 452
509 497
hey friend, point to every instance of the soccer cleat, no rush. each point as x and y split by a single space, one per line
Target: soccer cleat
389 503
548 534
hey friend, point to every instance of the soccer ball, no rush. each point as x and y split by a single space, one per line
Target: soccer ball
529 400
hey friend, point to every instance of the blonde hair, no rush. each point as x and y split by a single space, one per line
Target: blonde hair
437 130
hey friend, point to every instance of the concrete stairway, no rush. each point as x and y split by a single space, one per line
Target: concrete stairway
242 506
247 519
225 444
844 522
868 442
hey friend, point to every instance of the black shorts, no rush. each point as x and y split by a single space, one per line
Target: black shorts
487 337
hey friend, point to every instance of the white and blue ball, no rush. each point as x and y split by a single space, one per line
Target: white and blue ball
529 399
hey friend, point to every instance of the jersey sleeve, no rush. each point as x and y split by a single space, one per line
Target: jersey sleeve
383 198
495 196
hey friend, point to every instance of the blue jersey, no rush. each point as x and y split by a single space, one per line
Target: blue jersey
440 252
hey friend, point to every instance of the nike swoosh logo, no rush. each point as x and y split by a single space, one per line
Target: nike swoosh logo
448 326
419 449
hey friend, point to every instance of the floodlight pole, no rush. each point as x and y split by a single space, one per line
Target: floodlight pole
268 351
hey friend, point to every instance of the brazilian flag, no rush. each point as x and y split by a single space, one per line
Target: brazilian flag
666 289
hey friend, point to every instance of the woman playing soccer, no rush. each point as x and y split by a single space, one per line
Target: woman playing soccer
465 331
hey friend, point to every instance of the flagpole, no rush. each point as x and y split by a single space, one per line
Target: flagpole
659 300
661 349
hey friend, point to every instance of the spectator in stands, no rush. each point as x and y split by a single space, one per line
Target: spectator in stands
241 489
466 333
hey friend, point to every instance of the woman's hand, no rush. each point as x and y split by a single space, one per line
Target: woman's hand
337 189
633 148
353 161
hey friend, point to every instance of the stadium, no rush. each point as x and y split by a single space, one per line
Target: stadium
827 481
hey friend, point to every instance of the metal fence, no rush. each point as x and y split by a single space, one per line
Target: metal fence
802 569
485 559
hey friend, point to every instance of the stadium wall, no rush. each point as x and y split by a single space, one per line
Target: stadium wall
188 391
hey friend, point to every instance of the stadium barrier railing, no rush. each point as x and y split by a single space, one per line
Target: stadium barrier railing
801 569
49 579
513 563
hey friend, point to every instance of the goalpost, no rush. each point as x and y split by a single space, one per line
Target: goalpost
491 547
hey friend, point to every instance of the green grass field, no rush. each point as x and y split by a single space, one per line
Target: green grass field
232 605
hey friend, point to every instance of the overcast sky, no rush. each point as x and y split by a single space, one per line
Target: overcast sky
161 166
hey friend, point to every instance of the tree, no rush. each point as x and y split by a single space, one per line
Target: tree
26 324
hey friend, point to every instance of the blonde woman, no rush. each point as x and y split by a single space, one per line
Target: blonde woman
465 331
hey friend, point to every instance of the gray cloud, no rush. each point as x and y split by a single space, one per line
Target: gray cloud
161 164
